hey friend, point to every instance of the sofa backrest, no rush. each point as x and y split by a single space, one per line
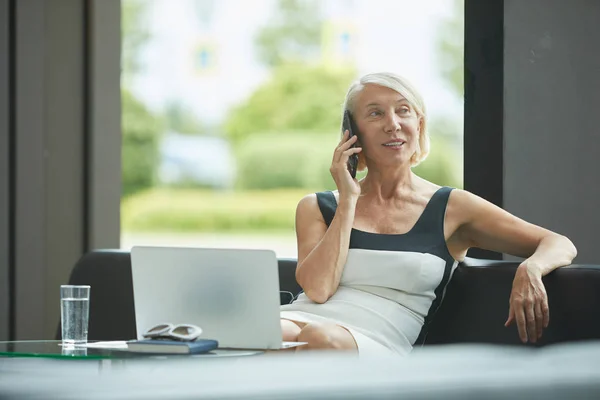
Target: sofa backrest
474 309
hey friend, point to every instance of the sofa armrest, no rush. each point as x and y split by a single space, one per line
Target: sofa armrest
476 304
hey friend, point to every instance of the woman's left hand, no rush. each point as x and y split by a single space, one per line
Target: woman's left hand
528 304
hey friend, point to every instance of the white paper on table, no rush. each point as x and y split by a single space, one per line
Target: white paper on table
114 344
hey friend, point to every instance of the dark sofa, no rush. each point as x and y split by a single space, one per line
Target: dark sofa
473 311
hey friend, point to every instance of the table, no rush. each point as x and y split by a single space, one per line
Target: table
455 372
54 349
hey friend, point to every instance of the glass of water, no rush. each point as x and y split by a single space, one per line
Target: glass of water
74 313
74 351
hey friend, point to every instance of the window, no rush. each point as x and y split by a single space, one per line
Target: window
231 116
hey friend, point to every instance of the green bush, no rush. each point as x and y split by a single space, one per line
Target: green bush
140 143
285 160
316 173
302 160
185 210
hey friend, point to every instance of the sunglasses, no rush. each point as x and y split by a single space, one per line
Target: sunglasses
183 332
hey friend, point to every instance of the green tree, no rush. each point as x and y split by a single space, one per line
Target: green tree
297 97
286 129
451 47
293 36
141 132
446 131
134 35
140 127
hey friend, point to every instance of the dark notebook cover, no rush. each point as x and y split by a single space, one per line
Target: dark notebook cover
161 346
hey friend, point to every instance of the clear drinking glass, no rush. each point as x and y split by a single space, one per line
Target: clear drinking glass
74 313
73 351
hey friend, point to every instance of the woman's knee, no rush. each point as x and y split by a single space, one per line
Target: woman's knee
322 336
289 330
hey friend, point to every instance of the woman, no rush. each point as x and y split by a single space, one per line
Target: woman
375 256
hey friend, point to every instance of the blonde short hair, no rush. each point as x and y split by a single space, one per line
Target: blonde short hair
409 92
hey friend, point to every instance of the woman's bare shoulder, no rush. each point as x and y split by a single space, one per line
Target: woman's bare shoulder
308 201
308 207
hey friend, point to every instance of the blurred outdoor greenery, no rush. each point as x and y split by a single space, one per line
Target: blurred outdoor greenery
141 136
282 135
195 210
289 159
141 129
296 97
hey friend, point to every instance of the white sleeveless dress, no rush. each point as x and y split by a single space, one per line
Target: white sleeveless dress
391 285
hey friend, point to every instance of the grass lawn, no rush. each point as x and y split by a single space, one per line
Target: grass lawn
269 212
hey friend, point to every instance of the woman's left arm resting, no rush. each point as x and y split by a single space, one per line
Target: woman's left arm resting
486 226
553 251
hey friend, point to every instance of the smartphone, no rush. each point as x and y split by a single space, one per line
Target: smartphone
349 124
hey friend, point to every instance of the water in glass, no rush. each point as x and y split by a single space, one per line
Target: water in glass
74 314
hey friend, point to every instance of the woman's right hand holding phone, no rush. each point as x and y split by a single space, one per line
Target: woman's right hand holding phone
348 187
323 247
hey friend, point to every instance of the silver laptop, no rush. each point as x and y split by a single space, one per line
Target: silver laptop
232 294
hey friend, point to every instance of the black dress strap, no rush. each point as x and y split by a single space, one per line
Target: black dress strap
327 205
432 219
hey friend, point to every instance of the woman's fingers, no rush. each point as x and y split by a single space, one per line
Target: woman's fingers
529 303
521 322
546 310
531 322
346 184
539 319
353 150
542 311
337 150
343 146
344 137
511 315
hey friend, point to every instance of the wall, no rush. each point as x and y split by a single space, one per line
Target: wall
49 130
60 140
552 118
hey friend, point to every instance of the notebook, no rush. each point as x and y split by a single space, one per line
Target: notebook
161 346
